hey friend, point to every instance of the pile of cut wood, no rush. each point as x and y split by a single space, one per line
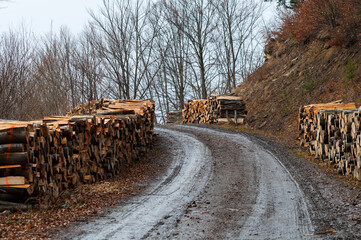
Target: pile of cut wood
174 117
228 108
331 132
48 156
215 109
196 111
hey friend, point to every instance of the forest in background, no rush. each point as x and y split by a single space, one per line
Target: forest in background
168 51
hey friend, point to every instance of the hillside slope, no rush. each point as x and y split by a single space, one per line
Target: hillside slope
296 74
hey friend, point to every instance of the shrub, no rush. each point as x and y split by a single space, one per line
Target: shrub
350 69
341 18
307 86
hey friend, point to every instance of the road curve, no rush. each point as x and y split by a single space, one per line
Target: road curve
220 186
182 183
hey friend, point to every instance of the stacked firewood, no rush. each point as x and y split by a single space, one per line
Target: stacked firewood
332 132
14 160
196 111
46 157
215 109
228 108
174 117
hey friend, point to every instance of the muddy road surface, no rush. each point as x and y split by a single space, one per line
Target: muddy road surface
220 185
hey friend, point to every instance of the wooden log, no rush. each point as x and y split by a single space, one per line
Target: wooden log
226 97
116 112
223 120
12 180
12 170
13 135
22 189
12 147
64 151
9 167
14 158
215 107
335 134
16 197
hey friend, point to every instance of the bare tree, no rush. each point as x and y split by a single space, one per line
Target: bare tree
195 18
238 39
204 46
56 74
173 49
67 51
123 45
15 74
89 69
166 50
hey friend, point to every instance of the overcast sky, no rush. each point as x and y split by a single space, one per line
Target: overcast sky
41 15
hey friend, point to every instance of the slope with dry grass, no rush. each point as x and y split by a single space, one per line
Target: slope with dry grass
302 68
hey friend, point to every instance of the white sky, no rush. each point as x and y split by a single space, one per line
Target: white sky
40 15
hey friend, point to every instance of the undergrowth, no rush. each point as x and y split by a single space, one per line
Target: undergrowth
307 86
350 69
340 19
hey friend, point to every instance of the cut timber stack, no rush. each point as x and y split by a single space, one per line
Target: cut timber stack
196 111
14 161
215 109
228 108
46 157
174 117
332 132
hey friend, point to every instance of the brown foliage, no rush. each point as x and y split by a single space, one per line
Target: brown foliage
340 18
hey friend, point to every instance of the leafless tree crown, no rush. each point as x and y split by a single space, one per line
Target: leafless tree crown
165 50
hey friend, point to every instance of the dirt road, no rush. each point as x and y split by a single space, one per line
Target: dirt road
221 185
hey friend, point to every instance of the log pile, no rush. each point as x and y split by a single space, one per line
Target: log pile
332 132
228 108
215 109
174 117
48 156
14 161
196 111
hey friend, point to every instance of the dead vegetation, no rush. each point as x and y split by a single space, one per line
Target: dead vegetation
314 57
296 75
340 20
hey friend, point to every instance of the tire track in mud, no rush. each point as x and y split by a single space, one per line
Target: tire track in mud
220 186
136 219
266 202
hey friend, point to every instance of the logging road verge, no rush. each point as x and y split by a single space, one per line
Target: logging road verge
226 185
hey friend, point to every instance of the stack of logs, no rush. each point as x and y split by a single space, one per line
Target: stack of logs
196 111
332 132
215 109
46 157
174 117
